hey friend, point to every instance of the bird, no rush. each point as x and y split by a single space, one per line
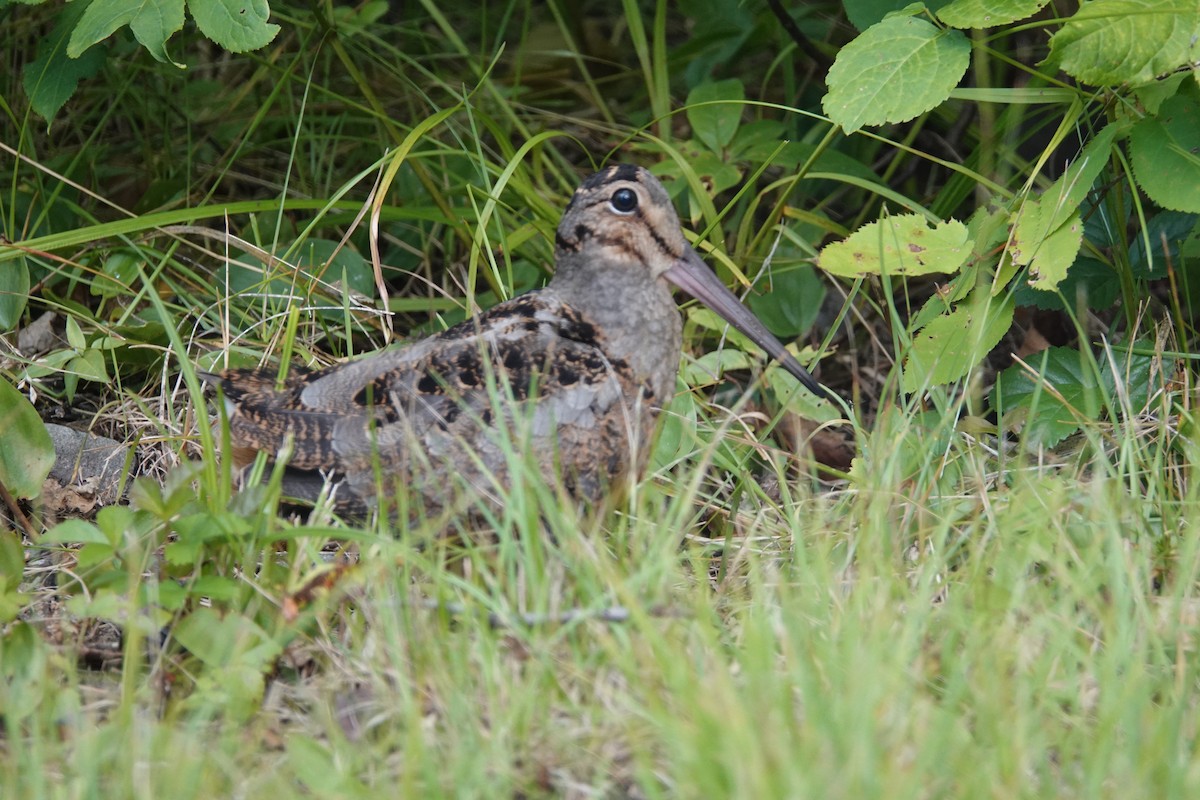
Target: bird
575 374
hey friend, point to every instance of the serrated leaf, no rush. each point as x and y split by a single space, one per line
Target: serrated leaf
237 25
1055 254
51 78
1048 231
894 71
988 13
1165 151
715 125
1110 42
949 347
899 245
26 452
1151 96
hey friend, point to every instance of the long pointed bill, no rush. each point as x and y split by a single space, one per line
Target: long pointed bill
691 274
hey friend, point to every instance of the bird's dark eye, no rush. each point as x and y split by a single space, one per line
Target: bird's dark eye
624 201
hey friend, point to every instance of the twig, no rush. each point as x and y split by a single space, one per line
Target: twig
615 615
15 509
803 42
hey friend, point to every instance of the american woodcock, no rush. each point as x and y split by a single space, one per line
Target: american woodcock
576 373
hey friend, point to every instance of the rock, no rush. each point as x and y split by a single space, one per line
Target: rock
89 464
38 336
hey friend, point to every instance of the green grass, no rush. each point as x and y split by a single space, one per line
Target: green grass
958 617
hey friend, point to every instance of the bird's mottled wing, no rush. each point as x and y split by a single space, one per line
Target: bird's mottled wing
441 405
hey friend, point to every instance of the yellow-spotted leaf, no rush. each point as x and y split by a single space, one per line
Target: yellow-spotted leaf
902 245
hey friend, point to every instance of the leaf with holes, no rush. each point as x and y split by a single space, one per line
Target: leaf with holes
900 245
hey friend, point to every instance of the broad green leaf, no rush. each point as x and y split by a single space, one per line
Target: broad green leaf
14 293
1152 95
12 559
334 263
316 767
75 336
894 71
1110 42
1048 232
155 23
51 78
1044 419
899 245
152 23
1166 153
716 124
237 25
26 452
949 347
988 13
1056 254
790 303
118 275
716 173
708 369
89 366
676 431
